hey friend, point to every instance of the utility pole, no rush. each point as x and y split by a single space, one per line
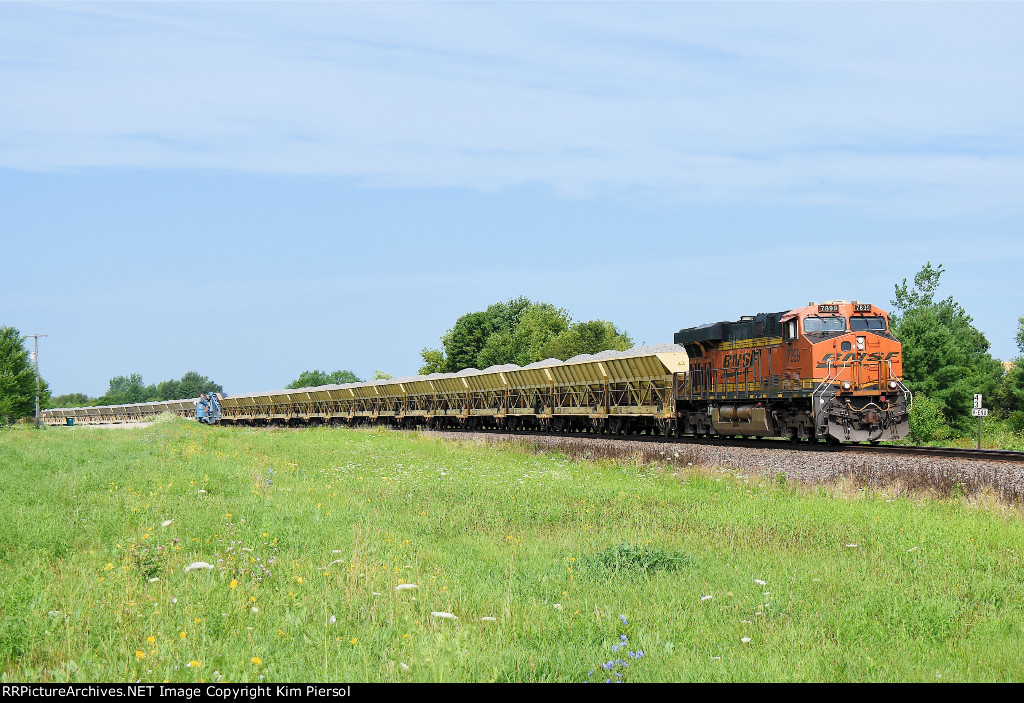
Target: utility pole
35 360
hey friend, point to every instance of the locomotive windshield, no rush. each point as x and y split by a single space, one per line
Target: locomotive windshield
824 324
872 324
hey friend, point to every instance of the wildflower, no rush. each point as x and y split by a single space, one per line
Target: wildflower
139 654
558 606
489 619
615 647
623 638
355 640
405 586
154 579
256 660
745 640
174 601
332 620
446 616
166 523
233 584
151 639
198 565
193 664
108 567
623 619
704 598
759 582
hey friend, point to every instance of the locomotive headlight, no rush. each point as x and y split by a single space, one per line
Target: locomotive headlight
846 385
892 385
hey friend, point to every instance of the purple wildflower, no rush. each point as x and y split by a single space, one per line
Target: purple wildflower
615 647
623 619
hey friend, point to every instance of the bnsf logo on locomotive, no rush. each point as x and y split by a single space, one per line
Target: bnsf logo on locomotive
862 357
739 361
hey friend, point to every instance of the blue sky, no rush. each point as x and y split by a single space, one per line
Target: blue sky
254 189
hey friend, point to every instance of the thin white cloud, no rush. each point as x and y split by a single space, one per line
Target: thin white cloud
903 109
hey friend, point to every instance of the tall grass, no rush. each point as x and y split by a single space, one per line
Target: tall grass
316 538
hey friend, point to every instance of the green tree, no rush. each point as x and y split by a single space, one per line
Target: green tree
316 377
944 355
587 338
525 343
124 390
518 331
1010 398
379 375
71 400
434 361
18 379
193 383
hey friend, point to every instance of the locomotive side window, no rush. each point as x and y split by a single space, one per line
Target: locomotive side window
874 324
824 324
789 330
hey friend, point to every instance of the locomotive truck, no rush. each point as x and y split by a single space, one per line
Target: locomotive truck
824 371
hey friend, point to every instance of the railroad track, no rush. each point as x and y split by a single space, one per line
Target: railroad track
899 450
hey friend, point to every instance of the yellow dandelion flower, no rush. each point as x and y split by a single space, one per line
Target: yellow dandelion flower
194 664
139 654
355 640
151 639
182 635
233 584
298 579
108 567
256 660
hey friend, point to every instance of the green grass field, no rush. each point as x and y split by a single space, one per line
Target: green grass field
317 537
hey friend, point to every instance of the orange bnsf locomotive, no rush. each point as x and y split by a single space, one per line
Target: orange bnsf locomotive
823 371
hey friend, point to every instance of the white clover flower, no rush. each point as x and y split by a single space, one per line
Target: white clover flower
558 606
154 579
745 640
446 616
405 586
704 598
332 620
759 582
198 565
166 523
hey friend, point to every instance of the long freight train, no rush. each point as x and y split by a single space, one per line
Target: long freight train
825 371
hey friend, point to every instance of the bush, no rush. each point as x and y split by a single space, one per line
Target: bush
927 423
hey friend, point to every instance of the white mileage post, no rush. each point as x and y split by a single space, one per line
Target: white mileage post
979 412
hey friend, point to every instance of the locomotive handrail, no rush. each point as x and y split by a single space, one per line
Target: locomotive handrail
899 382
818 395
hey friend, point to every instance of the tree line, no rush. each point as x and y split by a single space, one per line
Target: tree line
125 390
